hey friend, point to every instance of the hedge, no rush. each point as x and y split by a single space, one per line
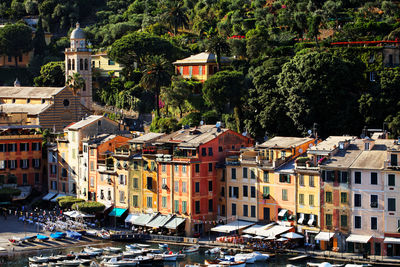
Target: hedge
67 201
7 193
89 207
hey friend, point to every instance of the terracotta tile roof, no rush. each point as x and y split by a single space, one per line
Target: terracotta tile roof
204 57
285 142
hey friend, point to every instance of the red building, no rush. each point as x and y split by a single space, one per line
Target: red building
187 175
21 156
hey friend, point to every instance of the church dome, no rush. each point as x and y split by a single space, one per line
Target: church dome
78 33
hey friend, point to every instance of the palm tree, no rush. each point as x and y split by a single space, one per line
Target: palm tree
75 82
175 14
218 45
156 74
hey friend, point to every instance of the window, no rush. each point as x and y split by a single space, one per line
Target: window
253 211
54 185
391 204
149 202
91 152
203 151
253 192
2 148
135 165
37 178
210 167
66 102
12 164
91 181
2 164
183 168
210 186
220 149
374 201
197 187
357 177
301 180
121 196
374 178
73 64
176 168
184 207
311 200
222 191
122 179
197 207
149 183
374 223
245 210
153 166
200 70
343 221
135 183
86 64
233 173
164 202
135 201
210 151
183 187
12 147
176 206
223 210
284 195
343 197
284 178
391 180
265 177
53 169
9 59
245 191
176 186
92 166
357 222
63 187
197 168
24 147
328 218
244 172
163 182
301 199
393 159
236 192
252 174
163 167
190 71
111 62
210 205
344 177
328 197
64 172
24 163
357 200
311 181
233 209
372 76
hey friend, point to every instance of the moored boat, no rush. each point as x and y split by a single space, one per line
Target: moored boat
163 246
191 249
114 262
42 237
38 259
112 249
213 250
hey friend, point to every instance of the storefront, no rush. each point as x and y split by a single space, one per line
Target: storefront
359 244
325 240
392 246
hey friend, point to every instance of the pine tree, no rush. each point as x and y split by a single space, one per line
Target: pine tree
39 42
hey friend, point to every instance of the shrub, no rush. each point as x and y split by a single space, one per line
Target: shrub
7 193
192 119
89 207
67 201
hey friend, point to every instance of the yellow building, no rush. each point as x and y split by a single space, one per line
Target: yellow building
102 65
149 180
309 186
277 182
241 184
122 166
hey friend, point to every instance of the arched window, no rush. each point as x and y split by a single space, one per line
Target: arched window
81 64
73 64
86 64
69 64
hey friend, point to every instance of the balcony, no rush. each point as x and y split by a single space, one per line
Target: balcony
388 165
80 49
184 153
232 160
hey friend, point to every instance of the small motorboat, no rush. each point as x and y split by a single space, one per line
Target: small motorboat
93 250
248 258
191 249
114 262
38 259
28 238
169 257
225 263
74 235
163 246
213 250
104 234
42 237
145 260
57 235
15 242
132 253
91 233
180 256
70 262
142 245
260 256
108 257
112 249
323 264
131 247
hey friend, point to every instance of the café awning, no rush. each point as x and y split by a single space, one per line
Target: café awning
159 221
232 226
324 236
144 219
274 231
117 212
358 238
131 218
391 240
49 196
301 219
253 229
174 223
282 212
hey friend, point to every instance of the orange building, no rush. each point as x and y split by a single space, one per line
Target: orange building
21 156
187 175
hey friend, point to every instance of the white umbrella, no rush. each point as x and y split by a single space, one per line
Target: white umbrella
258 237
270 238
247 236
281 239
292 235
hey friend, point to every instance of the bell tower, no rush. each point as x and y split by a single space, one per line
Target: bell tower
78 59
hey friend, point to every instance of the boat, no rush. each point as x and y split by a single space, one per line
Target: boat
28 238
323 264
145 260
15 242
103 234
57 235
180 256
248 258
74 235
213 250
131 247
260 256
93 233
132 253
38 259
93 250
42 237
108 257
163 246
191 249
114 262
112 249
142 245
224 263
70 262
169 257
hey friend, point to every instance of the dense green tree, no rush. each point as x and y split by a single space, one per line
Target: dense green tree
322 88
156 75
175 14
15 39
51 74
218 46
313 27
76 82
177 94
39 42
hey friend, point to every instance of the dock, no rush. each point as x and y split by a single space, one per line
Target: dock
300 257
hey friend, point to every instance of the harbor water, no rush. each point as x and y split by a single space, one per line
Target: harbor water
21 260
